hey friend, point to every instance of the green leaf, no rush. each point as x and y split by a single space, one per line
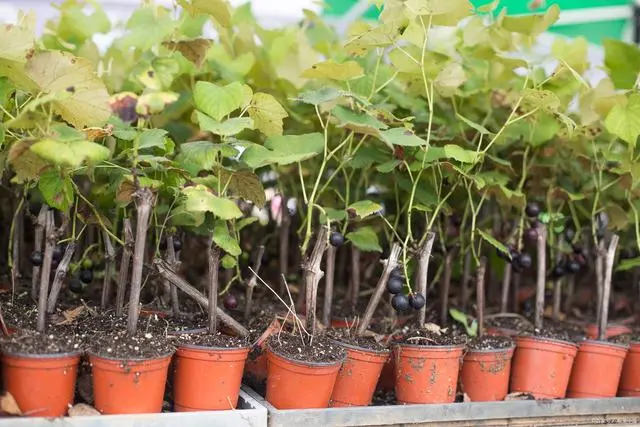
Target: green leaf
365 239
57 190
333 215
152 138
332 70
245 222
220 10
228 127
493 242
628 264
460 154
244 184
202 155
319 96
364 208
532 25
227 262
283 150
358 122
267 113
473 125
222 238
200 199
459 316
544 99
71 154
438 7
218 101
623 121
622 61
181 217
55 71
403 137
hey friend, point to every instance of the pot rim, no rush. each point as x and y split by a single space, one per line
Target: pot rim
206 347
363 349
551 340
492 350
23 355
605 343
130 359
450 346
303 363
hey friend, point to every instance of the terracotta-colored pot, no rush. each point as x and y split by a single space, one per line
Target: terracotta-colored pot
427 374
485 374
630 377
207 379
358 376
255 367
596 370
343 323
129 386
612 330
542 367
292 384
43 385
502 332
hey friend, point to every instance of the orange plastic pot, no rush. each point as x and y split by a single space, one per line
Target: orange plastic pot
207 379
630 378
255 367
129 386
596 370
292 384
542 367
485 374
502 332
427 374
612 330
343 323
358 376
43 385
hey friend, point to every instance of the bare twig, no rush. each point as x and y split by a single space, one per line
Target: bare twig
312 276
466 276
109 257
600 267
541 274
446 284
251 284
422 272
172 259
123 275
480 276
50 241
606 288
3 325
213 255
506 281
557 293
355 277
328 285
283 235
144 202
165 270
389 264
37 247
568 295
61 273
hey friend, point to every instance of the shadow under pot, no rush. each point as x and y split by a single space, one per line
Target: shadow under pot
358 376
630 377
596 369
43 385
542 366
427 373
485 373
298 384
207 378
129 386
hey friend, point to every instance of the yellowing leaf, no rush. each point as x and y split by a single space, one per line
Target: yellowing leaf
220 10
154 103
70 154
55 71
243 184
450 78
200 199
17 43
438 7
26 165
267 114
334 71
532 25
624 120
194 50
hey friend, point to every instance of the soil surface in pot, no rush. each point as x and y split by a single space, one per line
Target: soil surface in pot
488 342
624 339
429 337
322 350
348 337
551 332
54 341
515 323
205 339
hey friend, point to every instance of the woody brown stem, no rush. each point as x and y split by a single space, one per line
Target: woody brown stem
252 283
50 242
37 247
123 275
213 285
541 274
312 276
328 285
422 272
109 257
61 273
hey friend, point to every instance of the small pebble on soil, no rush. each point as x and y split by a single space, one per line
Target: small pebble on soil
349 337
322 350
488 342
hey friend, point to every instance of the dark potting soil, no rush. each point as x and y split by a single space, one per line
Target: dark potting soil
55 341
551 332
205 339
348 337
20 313
516 323
428 337
321 350
488 342
624 339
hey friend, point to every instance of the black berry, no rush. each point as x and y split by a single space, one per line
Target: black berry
400 303
336 239
54 264
558 271
36 258
177 244
417 301
531 234
75 286
230 302
396 272
58 253
86 276
532 210
573 267
525 260
395 284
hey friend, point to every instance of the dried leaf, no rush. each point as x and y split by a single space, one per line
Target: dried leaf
432 327
8 404
83 410
71 315
194 50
